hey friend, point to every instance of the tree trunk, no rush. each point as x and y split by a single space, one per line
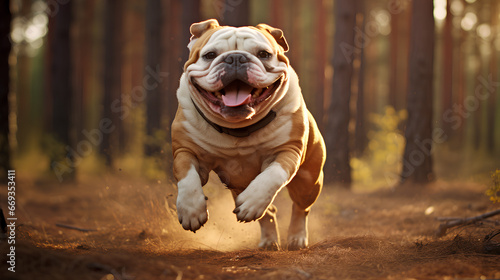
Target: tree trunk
153 59
82 49
417 158
394 77
62 92
277 14
320 48
235 13
490 137
112 104
295 37
447 52
476 115
172 50
190 14
360 133
337 168
459 133
5 17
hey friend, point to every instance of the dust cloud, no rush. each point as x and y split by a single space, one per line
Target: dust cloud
222 232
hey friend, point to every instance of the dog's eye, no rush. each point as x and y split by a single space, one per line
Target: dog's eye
264 54
210 55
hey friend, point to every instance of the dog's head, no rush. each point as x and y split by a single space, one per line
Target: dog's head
236 74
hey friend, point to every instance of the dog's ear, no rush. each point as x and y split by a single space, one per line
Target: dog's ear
276 33
197 29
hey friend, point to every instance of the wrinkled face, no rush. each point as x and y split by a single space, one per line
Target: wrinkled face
238 74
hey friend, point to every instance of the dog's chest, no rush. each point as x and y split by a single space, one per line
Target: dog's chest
238 172
240 162
237 161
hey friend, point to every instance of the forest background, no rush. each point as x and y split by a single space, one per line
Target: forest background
88 87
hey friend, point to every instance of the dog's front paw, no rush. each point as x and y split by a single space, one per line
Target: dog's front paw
192 211
253 202
251 206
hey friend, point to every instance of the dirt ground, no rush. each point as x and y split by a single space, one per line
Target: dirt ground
133 233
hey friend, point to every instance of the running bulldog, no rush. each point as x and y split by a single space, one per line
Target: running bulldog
241 114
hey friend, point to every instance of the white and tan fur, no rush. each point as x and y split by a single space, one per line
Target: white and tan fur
289 151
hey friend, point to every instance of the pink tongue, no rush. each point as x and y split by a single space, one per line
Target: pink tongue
236 94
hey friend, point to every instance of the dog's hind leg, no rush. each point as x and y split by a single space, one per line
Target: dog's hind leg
297 232
269 235
304 190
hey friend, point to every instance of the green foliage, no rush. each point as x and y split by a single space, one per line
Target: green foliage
152 167
158 139
494 191
37 158
53 148
381 164
155 166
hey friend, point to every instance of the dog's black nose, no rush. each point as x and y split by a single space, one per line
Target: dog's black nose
236 58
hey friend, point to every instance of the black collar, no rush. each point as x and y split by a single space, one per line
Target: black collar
242 131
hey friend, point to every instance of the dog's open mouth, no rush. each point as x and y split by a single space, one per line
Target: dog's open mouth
238 93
